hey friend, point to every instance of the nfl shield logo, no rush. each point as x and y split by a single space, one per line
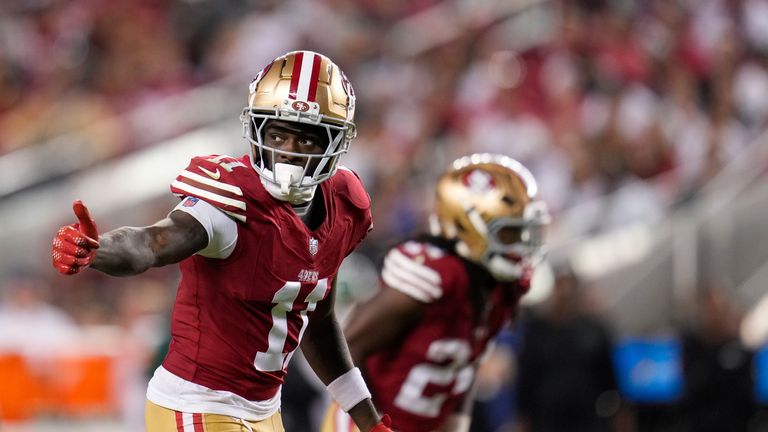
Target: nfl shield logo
312 246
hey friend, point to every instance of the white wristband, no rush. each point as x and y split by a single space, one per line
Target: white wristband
349 389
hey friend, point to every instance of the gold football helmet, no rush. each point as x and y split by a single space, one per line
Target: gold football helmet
304 87
488 204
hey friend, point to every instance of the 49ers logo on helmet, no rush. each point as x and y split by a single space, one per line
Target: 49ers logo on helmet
347 86
479 181
300 106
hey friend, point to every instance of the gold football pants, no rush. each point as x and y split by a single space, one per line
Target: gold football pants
161 419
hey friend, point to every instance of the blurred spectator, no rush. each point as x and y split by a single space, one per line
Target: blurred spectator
596 95
719 390
29 325
566 379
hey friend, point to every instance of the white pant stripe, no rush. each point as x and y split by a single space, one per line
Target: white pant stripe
187 421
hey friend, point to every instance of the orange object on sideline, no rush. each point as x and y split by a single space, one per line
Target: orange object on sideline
70 386
21 391
83 385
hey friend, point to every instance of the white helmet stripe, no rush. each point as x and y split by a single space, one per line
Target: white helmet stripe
304 80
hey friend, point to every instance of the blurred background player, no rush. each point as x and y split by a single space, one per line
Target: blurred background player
259 240
445 296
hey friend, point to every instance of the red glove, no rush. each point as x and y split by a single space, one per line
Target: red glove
74 246
383 425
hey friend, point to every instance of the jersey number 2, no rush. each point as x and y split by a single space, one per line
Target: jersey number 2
275 358
411 397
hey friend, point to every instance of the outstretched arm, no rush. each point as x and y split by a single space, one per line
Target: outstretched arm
127 250
326 352
131 250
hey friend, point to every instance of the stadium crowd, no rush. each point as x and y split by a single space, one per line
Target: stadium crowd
644 99
591 94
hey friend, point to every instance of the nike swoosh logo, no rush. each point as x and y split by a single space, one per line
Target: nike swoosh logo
212 174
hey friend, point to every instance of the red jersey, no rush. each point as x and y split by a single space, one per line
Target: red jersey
237 321
421 380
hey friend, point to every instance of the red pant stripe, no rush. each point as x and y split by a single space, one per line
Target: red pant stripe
179 422
197 420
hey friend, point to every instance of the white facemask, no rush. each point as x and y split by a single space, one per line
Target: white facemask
286 189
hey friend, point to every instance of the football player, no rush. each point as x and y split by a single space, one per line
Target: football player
445 296
259 240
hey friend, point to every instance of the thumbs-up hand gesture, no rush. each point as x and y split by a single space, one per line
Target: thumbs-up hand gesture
74 246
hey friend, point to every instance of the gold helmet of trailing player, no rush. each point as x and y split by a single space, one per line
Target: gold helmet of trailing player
488 204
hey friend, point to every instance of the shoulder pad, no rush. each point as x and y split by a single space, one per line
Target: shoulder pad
351 187
211 179
410 268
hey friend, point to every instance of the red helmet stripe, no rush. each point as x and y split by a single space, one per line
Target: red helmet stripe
296 74
312 94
